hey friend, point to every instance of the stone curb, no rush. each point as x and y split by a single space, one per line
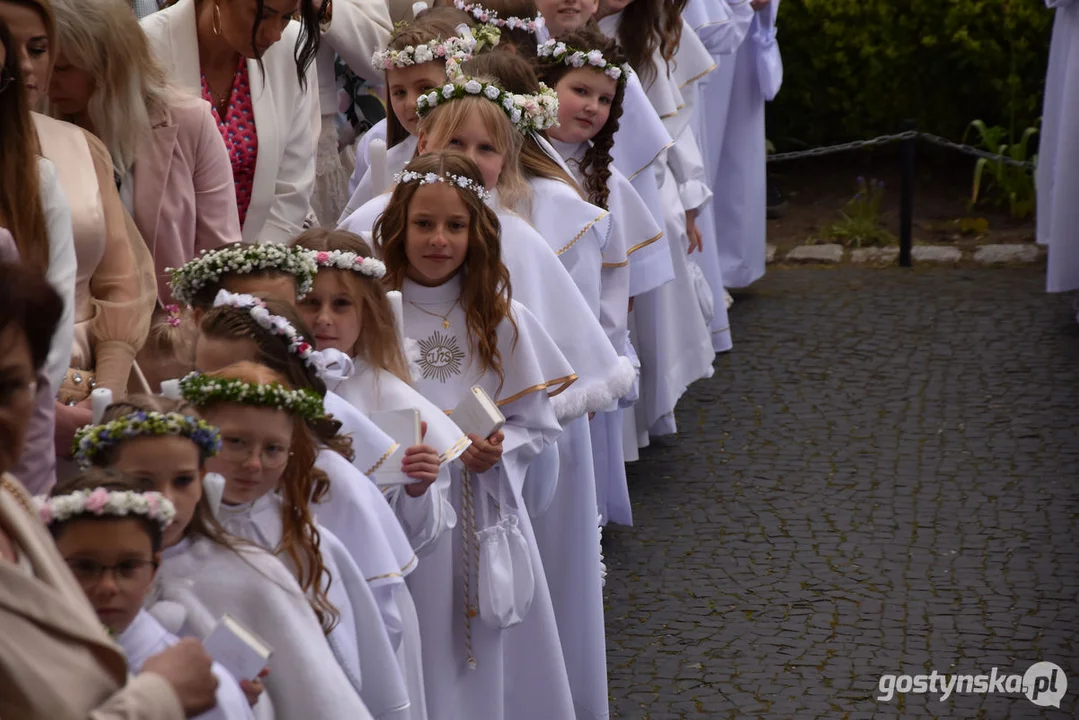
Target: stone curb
831 254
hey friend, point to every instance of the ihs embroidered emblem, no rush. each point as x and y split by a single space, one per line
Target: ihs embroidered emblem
440 357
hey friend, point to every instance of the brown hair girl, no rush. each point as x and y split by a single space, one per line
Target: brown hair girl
515 74
378 344
671 35
226 322
596 164
301 485
486 291
641 32
434 24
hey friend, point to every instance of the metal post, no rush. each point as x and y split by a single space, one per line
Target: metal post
906 197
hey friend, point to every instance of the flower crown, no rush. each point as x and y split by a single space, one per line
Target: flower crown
93 440
490 17
528 113
200 390
276 325
343 260
102 502
454 49
556 51
210 265
409 176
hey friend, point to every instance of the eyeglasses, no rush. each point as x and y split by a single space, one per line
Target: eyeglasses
240 450
90 572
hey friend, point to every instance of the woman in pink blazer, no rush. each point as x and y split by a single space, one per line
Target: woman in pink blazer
174 173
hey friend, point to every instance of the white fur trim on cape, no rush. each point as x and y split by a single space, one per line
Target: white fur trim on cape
580 399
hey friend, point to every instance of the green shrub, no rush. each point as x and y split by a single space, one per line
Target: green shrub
856 68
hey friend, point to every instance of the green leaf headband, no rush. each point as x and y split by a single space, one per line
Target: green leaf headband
201 390
211 265
528 113
93 440
556 51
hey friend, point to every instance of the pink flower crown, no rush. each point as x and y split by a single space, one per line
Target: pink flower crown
490 17
102 502
343 260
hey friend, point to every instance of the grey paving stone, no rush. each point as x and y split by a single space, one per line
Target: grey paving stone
827 253
936 254
880 478
1007 253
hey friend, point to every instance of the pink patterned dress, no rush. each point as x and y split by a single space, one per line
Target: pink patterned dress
238 130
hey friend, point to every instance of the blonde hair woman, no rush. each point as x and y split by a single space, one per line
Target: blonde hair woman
114 286
176 179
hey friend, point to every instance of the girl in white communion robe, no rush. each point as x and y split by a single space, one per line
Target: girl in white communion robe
481 590
353 509
206 573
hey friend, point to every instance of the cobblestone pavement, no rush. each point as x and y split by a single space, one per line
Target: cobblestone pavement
880 478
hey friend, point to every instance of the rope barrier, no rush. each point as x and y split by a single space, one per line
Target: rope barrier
898 137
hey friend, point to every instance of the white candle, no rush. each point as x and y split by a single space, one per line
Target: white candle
397 303
171 389
380 182
100 399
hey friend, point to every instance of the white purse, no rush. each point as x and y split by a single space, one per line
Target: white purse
505 582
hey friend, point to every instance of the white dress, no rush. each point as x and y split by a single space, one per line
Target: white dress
209 580
519 672
668 327
357 513
359 639
632 228
1058 154
62 268
734 104
146 637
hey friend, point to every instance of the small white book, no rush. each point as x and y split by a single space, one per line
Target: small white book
403 426
239 650
477 414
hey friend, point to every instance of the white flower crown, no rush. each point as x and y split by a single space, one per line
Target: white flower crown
455 49
409 176
201 390
342 260
556 51
276 324
211 265
91 440
490 17
102 502
528 113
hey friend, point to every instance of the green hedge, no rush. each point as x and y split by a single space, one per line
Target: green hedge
855 68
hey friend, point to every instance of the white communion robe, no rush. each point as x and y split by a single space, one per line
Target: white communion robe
632 227
357 513
359 639
580 234
146 637
668 327
1058 153
734 107
640 142
254 587
519 673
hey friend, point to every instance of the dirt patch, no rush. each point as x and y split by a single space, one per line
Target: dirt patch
818 188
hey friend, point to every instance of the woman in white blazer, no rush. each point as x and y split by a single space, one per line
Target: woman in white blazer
255 65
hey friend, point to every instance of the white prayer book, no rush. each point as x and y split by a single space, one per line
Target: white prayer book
405 429
239 650
477 414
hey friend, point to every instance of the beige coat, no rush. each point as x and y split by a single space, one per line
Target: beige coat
56 661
